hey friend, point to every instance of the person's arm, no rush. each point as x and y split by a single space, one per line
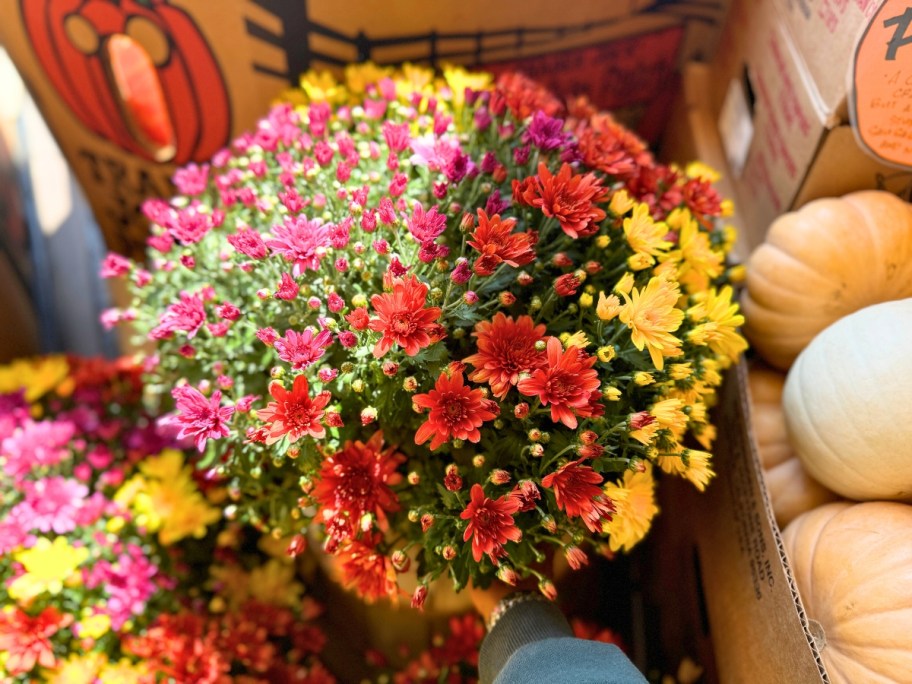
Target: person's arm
531 641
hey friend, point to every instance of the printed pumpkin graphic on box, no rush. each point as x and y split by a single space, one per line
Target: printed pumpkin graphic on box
136 72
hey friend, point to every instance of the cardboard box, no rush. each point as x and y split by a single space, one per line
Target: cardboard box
218 65
719 577
782 147
825 33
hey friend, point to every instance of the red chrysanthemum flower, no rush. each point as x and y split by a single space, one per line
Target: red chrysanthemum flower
456 411
367 570
506 348
199 417
566 382
523 96
569 198
491 524
497 244
578 493
403 320
183 647
26 640
294 413
356 481
609 147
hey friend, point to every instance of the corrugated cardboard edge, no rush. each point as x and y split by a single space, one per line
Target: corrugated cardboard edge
745 403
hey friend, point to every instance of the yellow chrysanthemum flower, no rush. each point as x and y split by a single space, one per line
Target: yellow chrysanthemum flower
620 203
77 669
652 316
645 236
608 306
94 626
359 76
698 169
414 79
635 507
718 320
692 464
36 376
611 394
321 86
123 672
47 564
625 284
165 499
680 371
577 339
642 378
669 414
458 79
697 263
274 583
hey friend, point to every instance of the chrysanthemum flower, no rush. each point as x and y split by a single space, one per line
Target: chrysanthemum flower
201 418
368 570
302 349
402 318
497 244
294 413
609 147
719 322
456 411
506 348
652 316
357 480
578 494
646 236
26 640
187 315
491 524
566 382
302 241
635 507
571 199
693 464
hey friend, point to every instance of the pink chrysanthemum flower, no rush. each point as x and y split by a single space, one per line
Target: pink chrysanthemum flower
187 315
302 241
199 417
52 503
302 349
35 445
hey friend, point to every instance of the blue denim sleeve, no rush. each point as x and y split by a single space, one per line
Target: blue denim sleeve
533 642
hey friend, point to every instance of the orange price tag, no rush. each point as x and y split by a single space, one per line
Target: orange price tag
881 102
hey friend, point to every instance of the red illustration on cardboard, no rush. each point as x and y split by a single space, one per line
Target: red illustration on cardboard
135 72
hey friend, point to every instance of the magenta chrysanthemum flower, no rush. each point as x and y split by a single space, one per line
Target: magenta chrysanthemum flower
199 417
302 349
249 243
187 315
129 582
426 226
52 503
302 241
34 445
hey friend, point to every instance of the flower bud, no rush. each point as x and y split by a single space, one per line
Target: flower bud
357 386
414 516
400 560
419 597
534 434
550 524
506 298
507 575
478 460
448 553
547 588
576 557
521 410
499 477
410 384
427 521
537 450
414 478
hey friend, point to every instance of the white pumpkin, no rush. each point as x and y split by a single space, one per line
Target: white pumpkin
848 404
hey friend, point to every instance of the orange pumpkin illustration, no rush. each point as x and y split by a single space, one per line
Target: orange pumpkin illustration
136 72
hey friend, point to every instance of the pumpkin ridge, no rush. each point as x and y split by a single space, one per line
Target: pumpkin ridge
877 677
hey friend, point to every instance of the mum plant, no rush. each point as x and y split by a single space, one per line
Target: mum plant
453 323
115 564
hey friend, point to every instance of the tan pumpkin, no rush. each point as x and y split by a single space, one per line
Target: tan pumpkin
791 490
853 567
848 404
822 262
